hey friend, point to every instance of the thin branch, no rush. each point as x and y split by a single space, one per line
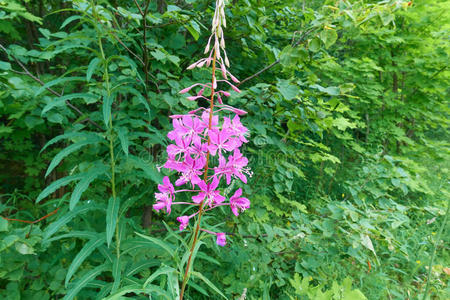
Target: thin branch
299 41
128 49
70 105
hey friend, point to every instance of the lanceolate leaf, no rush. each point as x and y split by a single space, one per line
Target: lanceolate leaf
62 100
68 150
111 217
162 270
83 184
83 281
123 137
209 283
106 108
87 249
69 135
91 68
57 184
159 242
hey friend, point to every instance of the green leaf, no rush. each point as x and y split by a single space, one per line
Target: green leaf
5 66
137 289
159 55
106 108
116 272
208 282
149 169
161 271
68 20
83 281
3 224
194 29
68 150
57 184
91 68
84 183
158 242
111 217
144 264
87 249
69 135
61 101
314 44
123 137
329 37
57 81
288 90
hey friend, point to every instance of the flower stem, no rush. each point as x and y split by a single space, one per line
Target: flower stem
200 211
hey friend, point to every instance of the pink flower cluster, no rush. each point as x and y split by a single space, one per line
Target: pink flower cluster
196 139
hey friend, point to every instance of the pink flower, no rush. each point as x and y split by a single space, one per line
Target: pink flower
237 202
220 141
209 193
221 239
184 221
164 199
236 128
191 169
236 166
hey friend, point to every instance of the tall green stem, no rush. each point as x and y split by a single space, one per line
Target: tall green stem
110 131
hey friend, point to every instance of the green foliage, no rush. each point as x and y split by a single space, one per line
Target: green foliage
349 149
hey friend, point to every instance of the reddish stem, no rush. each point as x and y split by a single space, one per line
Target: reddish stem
200 211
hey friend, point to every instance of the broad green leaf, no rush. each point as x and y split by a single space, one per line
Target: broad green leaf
208 282
329 37
57 184
111 217
5 66
288 90
87 249
84 183
83 281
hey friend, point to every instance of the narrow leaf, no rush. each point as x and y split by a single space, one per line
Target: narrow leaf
106 108
208 282
83 281
161 271
111 218
158 242
68 150
123 137
87 249
61 101
91 68
57 184
84 183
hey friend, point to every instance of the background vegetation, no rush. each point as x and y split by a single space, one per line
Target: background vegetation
348 112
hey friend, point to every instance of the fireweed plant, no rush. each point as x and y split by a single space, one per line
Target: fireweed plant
204 132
